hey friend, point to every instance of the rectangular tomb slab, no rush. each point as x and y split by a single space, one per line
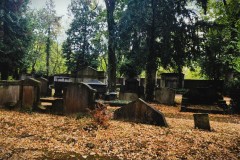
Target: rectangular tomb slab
140 112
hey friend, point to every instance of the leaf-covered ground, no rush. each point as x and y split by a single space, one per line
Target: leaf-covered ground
43 136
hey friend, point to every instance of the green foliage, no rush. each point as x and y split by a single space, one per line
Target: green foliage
220 46
36 57
233 84
15 37
84 41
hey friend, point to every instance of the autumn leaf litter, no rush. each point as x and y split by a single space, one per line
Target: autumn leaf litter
38 136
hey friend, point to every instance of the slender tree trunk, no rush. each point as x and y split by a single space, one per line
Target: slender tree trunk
151 67
2 4
48 51
110 5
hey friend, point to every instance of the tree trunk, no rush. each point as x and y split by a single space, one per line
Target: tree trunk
4 71
2 4
110 5
48 51
151 67
150 82
180 78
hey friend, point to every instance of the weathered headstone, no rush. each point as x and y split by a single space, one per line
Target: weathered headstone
44 89
202 95
131 91
140 111
88 73
30 93
128 96
78 97
201 121
9 92
235 102
100 87
165 95
171 80
24 93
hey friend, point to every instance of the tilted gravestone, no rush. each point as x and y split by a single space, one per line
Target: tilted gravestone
201 121
140 111
165 96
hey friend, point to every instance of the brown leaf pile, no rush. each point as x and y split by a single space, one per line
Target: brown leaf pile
41 136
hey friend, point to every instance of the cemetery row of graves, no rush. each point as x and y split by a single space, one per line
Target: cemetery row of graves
65 94
196 122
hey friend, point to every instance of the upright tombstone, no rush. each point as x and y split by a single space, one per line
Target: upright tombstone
165 96
61 81
30 93
9 92
78 97
171 80
131 91
201 121
88 73
203 95
235 102
44 89
140 112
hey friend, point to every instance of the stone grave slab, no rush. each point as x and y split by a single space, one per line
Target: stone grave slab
141 112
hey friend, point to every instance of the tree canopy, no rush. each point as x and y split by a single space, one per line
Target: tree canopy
125 37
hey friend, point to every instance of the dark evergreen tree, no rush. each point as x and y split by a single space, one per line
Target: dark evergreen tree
15 37
82 45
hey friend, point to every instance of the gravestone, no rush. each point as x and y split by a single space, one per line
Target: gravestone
201 121
128 96
140 111
30 93
24 93
78 97
165 96
44 89
203 95
9 92
88 73
235 102
171 80
100 87
131 91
